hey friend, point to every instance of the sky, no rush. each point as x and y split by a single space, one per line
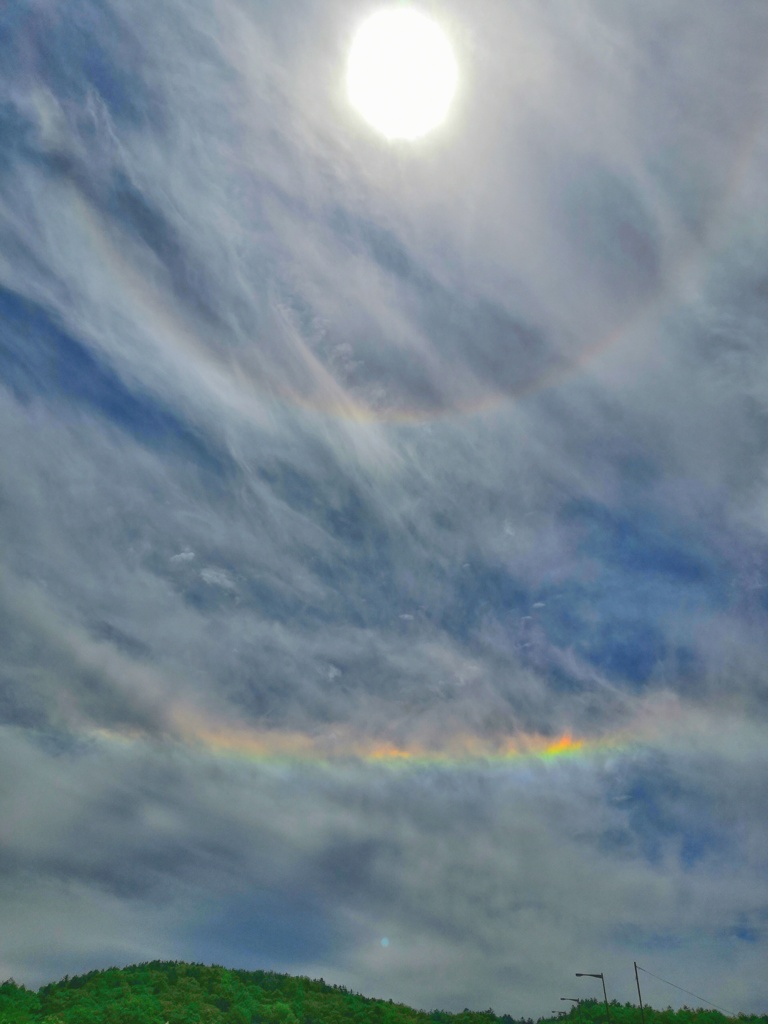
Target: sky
384 525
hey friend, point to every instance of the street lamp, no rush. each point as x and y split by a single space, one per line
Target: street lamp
605 994
570 999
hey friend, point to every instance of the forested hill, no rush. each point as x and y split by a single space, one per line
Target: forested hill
179 993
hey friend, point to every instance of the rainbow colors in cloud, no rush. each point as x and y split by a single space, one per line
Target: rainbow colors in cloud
343 745
660 722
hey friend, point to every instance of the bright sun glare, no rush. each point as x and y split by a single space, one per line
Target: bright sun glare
402 73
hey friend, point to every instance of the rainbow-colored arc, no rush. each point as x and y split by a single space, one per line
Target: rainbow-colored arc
661 722
298 747
343 746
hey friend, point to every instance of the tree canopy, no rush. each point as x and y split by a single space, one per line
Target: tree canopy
180 993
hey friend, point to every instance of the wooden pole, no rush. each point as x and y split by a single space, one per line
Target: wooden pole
639 996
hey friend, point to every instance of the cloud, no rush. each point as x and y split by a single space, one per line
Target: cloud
317 447
521 866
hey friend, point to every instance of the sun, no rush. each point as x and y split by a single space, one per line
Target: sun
402 73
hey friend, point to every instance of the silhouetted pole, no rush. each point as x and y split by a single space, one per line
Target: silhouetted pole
570 999
605 994
642 1008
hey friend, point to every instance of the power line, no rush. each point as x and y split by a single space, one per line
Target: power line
727 1012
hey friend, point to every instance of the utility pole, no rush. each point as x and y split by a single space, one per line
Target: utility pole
639 996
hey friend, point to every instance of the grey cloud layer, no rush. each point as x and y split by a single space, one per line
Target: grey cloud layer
441 864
